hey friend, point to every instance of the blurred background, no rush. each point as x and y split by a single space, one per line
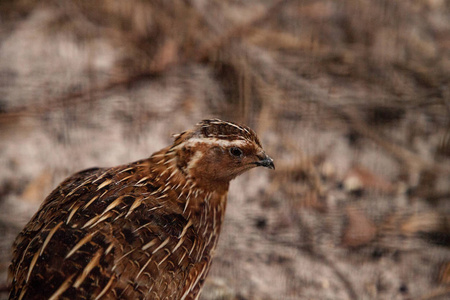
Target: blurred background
351 98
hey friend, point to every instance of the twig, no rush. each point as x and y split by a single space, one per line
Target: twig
239 30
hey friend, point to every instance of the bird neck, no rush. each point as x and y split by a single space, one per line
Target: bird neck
195 199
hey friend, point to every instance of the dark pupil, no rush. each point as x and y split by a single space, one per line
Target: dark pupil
236 151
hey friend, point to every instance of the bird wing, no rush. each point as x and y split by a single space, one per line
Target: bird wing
54 254
101 232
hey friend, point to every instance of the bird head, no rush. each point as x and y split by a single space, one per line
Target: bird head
215 152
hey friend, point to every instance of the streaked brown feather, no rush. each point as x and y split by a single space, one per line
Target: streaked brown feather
144 230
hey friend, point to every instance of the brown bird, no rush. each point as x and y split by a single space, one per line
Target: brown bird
146 230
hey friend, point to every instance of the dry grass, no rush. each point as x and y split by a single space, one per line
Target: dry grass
351 98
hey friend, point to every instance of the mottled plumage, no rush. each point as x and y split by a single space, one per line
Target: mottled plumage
146 230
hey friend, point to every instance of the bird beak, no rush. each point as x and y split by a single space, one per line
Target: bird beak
266 161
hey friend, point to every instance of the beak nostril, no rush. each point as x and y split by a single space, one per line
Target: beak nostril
265 161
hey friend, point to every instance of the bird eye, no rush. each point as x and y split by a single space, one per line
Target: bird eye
235 151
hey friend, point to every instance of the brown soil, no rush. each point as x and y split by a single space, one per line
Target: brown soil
351 98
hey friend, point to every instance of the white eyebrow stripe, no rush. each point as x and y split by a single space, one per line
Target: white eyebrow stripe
218 142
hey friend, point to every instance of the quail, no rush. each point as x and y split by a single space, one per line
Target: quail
145 230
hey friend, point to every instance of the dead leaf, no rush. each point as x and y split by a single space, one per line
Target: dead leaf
360 230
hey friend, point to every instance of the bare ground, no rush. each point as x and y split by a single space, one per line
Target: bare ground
350 98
